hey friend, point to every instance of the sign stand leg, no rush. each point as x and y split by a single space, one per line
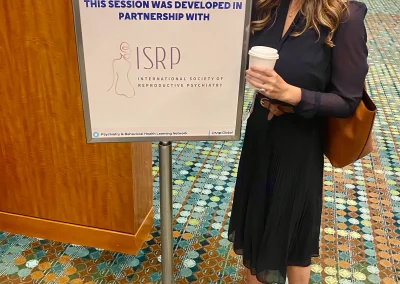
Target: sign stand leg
165 161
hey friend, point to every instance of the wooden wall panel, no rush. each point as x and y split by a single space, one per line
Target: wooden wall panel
46 168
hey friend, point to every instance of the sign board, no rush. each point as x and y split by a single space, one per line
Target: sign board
156 70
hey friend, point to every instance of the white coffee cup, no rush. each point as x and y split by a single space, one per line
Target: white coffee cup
263 56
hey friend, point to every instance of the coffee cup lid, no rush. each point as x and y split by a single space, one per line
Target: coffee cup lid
263 55
265 49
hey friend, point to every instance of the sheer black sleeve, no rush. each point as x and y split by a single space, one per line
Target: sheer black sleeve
349 69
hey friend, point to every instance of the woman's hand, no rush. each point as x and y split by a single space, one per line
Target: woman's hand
271 85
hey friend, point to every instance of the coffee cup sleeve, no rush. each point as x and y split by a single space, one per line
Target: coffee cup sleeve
247 114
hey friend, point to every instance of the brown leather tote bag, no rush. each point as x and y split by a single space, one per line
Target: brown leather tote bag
350 139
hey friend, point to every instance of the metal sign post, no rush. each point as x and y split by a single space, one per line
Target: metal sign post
165 161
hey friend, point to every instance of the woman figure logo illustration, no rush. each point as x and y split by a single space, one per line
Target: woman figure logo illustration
121 85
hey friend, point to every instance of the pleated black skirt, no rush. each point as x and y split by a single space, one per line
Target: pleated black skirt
276 214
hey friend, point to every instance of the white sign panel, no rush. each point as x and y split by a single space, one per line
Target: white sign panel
162 70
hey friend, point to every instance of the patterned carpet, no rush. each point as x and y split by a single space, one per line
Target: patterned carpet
360 240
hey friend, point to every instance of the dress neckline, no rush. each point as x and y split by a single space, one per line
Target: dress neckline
276 40
290 29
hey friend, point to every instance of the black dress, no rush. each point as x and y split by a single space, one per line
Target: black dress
276 214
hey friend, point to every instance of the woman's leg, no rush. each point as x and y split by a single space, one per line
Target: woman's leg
299 275
251 279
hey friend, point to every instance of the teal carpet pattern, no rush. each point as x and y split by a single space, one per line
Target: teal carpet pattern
360 233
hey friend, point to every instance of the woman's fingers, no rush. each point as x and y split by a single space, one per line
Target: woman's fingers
263 70
266 82
261 76
254 82
257 75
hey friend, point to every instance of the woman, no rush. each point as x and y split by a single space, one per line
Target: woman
276 213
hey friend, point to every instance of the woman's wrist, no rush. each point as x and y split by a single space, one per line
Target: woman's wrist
292 95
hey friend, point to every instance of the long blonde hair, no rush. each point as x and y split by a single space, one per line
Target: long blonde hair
326 13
